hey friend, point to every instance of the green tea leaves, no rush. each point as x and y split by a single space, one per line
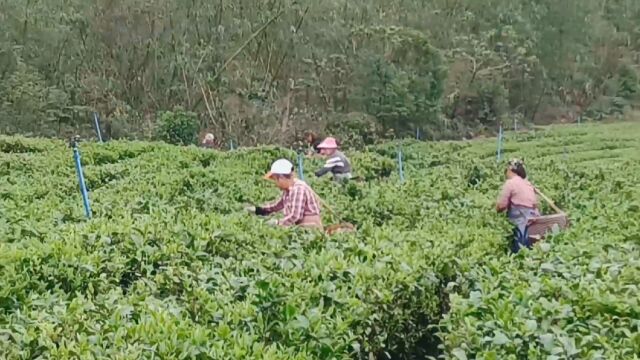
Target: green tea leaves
171 266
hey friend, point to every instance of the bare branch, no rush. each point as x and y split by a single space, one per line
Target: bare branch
246 43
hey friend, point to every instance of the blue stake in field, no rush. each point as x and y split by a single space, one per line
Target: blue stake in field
300 166
73 143
400 164
499 151
96 120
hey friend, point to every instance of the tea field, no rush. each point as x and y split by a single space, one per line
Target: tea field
170 266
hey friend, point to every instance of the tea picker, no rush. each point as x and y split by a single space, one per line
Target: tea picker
73 144
518 199
299 204
337 163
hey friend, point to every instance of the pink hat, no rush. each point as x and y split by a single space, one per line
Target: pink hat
328 143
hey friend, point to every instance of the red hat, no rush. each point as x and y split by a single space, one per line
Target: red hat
328 143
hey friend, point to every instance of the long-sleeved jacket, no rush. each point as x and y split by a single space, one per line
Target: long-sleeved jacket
296 204
336 164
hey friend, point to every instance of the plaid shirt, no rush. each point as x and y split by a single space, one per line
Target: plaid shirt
295 203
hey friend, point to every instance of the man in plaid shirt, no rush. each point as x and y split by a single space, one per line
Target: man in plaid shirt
298 203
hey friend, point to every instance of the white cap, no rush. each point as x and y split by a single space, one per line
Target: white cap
280 167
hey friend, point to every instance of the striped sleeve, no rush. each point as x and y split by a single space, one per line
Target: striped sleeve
333 162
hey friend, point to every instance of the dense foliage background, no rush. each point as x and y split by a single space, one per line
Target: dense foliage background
261 71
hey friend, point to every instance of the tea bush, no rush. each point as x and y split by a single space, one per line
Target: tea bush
171 266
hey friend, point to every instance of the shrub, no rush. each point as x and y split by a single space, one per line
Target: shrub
178 127
355 130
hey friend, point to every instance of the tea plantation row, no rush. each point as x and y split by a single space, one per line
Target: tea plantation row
171 267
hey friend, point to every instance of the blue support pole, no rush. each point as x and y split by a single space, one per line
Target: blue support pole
515 124
417 133
96 121
83 186
400 165
231 144
300 166
499 152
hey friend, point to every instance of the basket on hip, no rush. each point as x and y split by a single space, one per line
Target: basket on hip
541 226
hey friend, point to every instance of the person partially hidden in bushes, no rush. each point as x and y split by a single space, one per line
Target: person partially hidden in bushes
312 141
298 202
518 199
210 142
307 144
336 163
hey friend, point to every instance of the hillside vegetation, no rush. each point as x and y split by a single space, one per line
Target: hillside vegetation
257 71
